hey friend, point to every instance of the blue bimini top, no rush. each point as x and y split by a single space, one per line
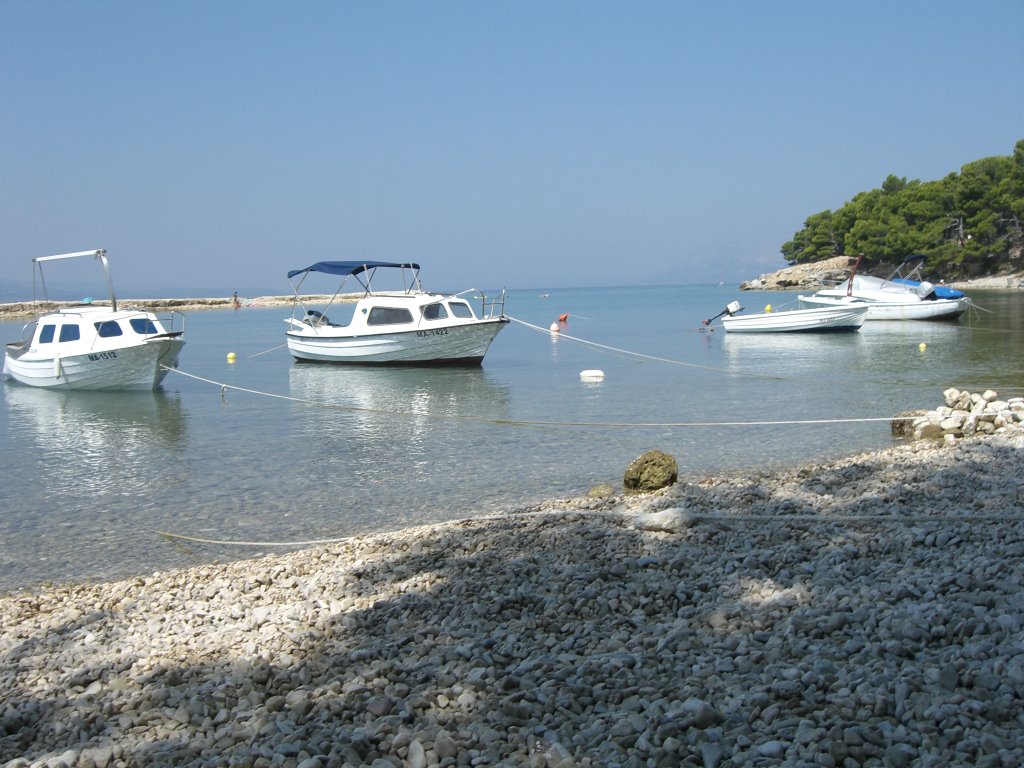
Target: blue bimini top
347 268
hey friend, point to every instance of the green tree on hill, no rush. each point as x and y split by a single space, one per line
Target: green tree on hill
968 224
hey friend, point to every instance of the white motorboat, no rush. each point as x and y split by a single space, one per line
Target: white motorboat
406 326
897 297
910 309
843 319
94 346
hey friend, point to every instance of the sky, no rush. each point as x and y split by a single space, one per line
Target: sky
210 147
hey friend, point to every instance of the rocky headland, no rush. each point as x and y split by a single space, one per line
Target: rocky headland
822 274
863 612
801 277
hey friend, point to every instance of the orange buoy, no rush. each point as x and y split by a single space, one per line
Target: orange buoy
563 317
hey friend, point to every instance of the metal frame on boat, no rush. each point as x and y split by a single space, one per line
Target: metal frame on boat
405 326
94 346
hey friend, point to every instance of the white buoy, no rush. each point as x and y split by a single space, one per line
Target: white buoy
592 375
554 328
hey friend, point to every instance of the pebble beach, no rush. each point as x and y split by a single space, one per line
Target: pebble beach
863 612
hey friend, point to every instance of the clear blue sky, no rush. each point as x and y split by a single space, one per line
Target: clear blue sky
212 146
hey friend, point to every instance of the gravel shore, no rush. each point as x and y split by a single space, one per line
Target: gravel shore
864 612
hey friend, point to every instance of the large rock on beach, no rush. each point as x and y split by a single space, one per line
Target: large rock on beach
650 471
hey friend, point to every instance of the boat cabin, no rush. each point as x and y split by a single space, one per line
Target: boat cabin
73 328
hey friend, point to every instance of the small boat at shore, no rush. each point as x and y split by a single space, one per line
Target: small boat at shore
897 297
94 346
845 319
937 309
408 326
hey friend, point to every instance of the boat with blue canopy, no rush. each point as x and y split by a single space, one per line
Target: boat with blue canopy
397 323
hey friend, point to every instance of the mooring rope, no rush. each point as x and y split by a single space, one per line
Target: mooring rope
531 422
642 356
710 517
234 543
250 357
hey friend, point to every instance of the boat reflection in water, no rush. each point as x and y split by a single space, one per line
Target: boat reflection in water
99 443
395 418
784 353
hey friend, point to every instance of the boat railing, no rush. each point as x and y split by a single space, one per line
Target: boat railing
173 323
491 307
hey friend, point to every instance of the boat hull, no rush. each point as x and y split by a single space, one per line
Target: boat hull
924 309
809 320
137 367
461 344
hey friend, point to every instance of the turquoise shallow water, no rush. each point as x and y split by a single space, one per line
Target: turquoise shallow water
303 452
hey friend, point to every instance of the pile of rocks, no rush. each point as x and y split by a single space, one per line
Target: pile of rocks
964 414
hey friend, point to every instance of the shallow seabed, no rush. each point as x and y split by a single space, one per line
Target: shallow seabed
266 451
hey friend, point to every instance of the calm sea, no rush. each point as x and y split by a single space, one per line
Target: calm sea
269 450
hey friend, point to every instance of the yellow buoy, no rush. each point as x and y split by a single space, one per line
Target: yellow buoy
231 357
922 346
767 307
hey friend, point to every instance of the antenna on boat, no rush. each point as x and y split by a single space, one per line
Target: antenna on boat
853 274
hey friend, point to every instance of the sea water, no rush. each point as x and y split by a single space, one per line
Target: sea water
265 454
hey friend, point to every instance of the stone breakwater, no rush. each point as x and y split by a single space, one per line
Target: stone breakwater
863 612
28 309
964 414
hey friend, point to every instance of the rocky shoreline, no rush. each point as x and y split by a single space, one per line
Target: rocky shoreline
820 274
866 611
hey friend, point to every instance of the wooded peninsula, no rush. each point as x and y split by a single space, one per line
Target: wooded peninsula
969 224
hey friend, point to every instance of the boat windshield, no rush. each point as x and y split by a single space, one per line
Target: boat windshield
461 309
143 326
435 312
108 328
389 316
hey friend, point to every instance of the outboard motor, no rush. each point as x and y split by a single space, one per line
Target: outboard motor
730 309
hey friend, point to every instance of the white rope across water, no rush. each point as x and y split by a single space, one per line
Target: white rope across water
712 517
529 422
234 543
642 356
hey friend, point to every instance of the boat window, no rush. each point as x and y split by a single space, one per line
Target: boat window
143 326
434 312
46 335
388 316
69 333
461 309
108 328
